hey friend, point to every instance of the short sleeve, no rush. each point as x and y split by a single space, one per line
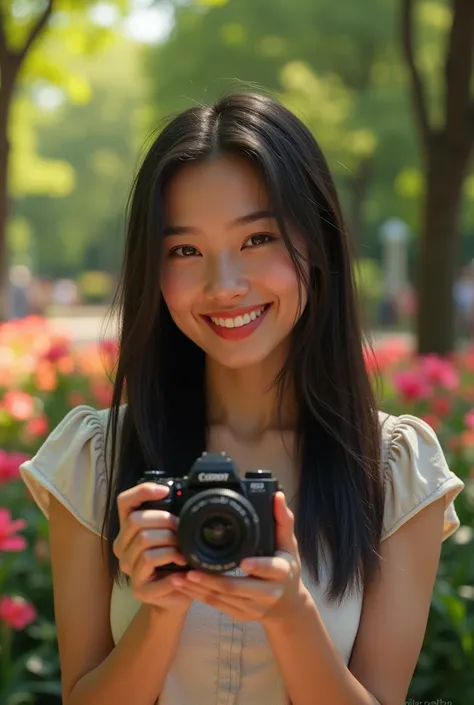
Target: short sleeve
416 474
71 466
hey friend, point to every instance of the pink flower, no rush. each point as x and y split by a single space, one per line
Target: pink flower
16 612
9 541
439 371
37 426
412 385
9 466
19 404
469 419
391 352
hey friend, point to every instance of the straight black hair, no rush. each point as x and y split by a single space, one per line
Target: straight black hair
340 498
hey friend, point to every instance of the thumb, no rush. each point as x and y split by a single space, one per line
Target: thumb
285 522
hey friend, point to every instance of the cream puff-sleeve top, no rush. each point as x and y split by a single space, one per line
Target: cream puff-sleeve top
220 661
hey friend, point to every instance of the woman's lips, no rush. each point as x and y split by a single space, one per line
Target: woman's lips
240 332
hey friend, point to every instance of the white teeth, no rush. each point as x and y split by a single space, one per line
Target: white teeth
239 321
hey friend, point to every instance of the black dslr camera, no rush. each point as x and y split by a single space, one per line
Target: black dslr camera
222 517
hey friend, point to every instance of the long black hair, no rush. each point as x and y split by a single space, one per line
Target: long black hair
340 495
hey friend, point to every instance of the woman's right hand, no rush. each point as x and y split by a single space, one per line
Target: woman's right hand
147 540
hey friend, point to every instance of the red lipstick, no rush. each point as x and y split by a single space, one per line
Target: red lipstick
240 332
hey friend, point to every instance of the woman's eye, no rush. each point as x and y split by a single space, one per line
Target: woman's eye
183 251
259 239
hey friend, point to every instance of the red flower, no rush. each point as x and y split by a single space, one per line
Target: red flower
9 541
412 386
431 420
16 612
59 349
441 406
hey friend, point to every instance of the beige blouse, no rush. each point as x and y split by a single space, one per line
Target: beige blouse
220 661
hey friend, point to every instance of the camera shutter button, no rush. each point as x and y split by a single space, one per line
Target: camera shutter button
259 475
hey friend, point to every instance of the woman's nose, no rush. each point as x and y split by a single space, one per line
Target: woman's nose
225 279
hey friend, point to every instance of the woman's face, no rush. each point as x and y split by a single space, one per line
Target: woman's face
227 278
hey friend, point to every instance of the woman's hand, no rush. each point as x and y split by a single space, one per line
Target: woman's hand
274 588
147 540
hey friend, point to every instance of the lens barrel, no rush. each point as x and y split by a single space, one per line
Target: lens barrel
218 528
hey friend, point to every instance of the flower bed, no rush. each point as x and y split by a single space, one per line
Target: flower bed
42 377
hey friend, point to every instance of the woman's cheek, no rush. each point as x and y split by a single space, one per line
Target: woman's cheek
180 286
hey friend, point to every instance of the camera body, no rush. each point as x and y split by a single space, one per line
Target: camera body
223 518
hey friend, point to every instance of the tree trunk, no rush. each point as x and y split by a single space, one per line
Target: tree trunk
6 93
446 170
11 62
358 188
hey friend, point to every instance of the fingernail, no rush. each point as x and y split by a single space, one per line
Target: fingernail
247 564
177 581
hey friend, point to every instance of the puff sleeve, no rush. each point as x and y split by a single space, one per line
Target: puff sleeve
416 474
71 466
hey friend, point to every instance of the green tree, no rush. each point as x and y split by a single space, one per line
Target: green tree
78 222
446 136
341 74
23 27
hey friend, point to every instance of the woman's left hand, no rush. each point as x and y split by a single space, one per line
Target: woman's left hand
274 586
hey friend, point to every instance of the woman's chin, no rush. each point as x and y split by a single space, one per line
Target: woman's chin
243 359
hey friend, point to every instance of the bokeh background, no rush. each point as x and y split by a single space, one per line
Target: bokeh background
386 86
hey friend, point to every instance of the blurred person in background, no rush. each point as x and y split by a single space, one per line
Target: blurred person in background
19 290
464 299
240 333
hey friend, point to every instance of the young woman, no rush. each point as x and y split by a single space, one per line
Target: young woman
240 333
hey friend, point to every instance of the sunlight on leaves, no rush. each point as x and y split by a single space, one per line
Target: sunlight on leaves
435 14
233 33
469 187
212 3
78 89
273 47
409 183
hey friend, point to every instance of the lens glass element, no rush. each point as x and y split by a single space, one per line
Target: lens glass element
218 532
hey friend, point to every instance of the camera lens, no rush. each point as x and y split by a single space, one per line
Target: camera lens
217 529
217 532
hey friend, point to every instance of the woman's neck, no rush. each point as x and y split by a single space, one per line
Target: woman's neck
245 401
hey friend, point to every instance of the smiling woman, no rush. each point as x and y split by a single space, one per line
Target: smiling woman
240 333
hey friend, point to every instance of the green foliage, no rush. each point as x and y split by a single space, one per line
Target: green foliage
342 74
368 278
445 400
95 287
76 214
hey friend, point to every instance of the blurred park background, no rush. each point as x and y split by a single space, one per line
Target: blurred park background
387 87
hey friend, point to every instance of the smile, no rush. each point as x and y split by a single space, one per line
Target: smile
240 326
238 321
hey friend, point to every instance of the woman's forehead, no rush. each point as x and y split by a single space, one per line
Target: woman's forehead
226 189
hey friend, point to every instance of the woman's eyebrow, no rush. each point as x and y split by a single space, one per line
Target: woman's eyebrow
241 220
